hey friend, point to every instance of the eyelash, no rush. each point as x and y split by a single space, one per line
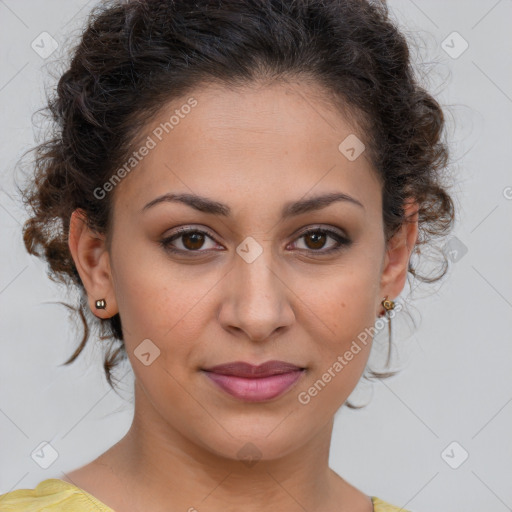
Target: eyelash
342 241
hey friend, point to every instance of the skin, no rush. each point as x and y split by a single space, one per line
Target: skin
254 149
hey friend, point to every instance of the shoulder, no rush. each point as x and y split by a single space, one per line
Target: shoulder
52 495
383 506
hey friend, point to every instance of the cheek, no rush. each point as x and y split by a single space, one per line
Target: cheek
164 306
153 295
340 314
342 300
340 359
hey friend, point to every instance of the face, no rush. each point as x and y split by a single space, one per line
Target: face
243 282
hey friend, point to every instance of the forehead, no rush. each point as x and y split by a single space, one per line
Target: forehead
260 141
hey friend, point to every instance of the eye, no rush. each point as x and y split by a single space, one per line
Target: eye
315 239
193 239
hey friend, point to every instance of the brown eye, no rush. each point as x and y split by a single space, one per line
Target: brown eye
316 239
193 240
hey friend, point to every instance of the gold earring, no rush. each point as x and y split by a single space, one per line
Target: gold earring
388 305
101 304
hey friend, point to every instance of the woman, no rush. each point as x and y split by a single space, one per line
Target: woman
240 186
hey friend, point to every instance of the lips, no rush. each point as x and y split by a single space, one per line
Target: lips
247 370
250 383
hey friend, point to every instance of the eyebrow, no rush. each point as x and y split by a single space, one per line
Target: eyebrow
206 205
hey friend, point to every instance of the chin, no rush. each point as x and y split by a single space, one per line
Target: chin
267 441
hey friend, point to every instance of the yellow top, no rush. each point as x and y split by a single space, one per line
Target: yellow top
54 495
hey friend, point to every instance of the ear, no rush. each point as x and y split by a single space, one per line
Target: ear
92 262
398 253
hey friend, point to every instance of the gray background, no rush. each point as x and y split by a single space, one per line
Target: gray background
455 379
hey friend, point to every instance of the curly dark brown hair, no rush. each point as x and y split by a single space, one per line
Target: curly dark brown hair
135 56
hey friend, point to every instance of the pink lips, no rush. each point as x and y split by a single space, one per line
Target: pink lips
255 383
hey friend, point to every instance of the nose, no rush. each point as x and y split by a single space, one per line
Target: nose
257 299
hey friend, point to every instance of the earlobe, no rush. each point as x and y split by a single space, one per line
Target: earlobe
92 262
398 252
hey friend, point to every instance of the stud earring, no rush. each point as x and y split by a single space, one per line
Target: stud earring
101 304
388 305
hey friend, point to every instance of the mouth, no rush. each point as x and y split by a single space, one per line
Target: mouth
251 383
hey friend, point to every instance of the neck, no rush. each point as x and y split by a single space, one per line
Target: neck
158 464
